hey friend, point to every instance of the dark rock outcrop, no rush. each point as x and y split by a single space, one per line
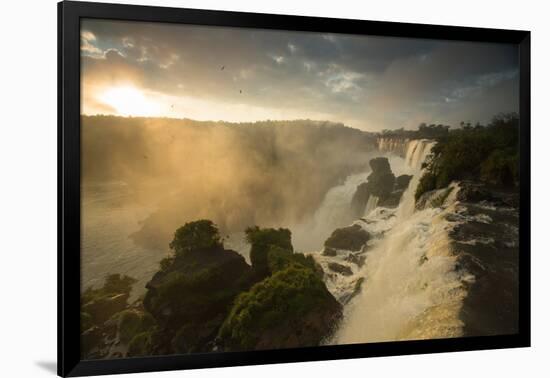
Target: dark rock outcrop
279 302
327 251
381 180
351 238
195 292
104 307
433 198
340 268
357 287
357 259
381 183
402 182
485 241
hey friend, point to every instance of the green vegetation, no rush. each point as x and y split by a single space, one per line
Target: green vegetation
166 263
132 322
191 295
263 316
290 307
279 259
424 131
205 296
114 284
261 240
486 153
86 321
193 291
197 235
140 345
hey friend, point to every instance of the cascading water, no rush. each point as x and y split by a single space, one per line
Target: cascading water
372 202
410 289
395 146
335 211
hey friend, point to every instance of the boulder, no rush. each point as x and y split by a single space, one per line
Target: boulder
351 238
329 251
104 307
339 268
90 339
356 259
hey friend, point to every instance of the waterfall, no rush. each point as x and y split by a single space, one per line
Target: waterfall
411 289
334 212
392 145
372 202
417 151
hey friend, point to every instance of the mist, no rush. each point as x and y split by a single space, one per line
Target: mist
270 173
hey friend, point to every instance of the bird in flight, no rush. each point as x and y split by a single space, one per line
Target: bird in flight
222 68
240 91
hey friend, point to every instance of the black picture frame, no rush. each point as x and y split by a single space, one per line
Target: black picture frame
69 16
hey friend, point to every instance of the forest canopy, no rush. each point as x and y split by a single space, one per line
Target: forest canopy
484 153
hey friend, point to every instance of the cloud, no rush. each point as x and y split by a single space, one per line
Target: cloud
367 82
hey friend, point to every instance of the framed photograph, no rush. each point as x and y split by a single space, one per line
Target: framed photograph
239 188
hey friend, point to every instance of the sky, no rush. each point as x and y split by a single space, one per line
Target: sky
243 75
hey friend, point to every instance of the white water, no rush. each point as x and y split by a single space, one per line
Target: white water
335 210
410 289
372 202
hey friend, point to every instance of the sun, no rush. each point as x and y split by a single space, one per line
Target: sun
130 101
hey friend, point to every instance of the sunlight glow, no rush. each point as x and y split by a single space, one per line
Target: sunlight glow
131 101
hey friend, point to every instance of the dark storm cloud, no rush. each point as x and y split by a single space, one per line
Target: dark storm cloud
367 82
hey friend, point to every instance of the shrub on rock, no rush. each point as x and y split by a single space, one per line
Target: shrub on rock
261 240
140 345
292 308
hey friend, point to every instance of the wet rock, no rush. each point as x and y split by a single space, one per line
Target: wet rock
392 200
402 182
103 308
351 238
90 339
470 192
356 290
433 198
380 183
485 241
329 251
339 268
356 259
